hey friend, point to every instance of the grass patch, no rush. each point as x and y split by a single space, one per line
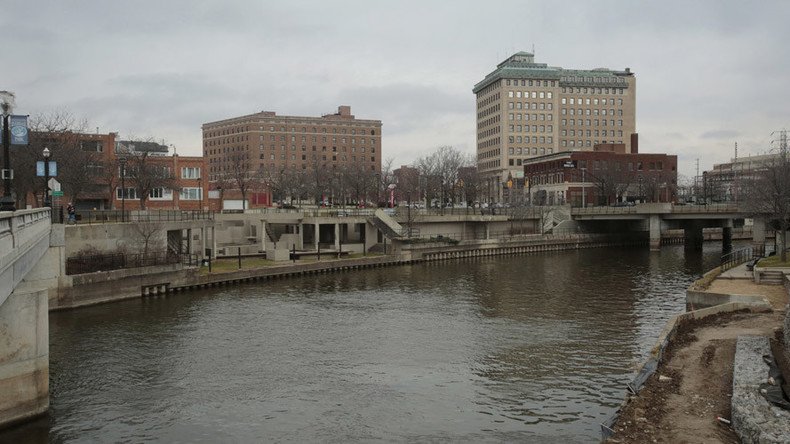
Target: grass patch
774 261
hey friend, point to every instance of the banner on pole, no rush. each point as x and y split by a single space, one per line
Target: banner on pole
53 168
18 130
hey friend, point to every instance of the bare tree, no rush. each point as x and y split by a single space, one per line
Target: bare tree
146 175
242 176
80 163
768 195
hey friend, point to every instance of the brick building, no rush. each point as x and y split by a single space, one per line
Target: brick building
269 143
191 181
608 174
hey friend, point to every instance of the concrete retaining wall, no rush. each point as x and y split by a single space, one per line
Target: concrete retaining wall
701 299
24 356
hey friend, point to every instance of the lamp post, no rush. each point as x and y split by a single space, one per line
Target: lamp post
46 153
584 188
6 202
122 163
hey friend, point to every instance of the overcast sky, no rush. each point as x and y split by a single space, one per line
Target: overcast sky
708 73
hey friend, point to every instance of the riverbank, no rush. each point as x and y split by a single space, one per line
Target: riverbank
692 385
101 287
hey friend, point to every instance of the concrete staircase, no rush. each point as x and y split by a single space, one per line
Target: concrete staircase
387 225
772 277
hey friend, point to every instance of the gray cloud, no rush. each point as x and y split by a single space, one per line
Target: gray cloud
720 134
164 68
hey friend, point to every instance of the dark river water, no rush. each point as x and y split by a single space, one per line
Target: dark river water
520 348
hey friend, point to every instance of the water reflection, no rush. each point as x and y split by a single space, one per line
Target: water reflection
485 349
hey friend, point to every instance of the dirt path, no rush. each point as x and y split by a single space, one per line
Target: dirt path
684 408
776 294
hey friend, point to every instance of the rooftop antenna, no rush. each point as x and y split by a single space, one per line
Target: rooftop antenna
736 150
533 49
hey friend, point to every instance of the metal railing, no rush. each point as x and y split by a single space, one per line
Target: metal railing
117 216
735 258
116 261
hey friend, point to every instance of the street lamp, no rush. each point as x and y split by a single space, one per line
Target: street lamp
122 162
46 155
6 102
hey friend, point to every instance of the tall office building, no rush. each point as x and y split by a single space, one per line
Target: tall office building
527 109
273 143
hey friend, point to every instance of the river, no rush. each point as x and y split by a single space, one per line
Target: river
520 348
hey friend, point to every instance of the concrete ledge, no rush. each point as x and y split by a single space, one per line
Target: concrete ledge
703 299
754 419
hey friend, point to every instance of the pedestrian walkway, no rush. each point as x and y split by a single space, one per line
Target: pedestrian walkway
738 272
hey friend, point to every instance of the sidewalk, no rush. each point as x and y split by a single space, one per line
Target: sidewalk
738 272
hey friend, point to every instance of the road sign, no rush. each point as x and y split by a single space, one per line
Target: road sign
57 194
54 185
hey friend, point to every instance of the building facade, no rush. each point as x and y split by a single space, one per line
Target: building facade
269 143
527 109
728 182
610 173
189 193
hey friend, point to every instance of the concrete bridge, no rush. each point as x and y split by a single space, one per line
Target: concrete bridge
31 262
657 218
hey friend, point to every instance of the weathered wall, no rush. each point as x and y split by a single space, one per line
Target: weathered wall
24 356
111 236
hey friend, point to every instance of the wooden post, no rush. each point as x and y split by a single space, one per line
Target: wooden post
294 253
239 250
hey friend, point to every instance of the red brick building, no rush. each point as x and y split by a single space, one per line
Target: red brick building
191 180
604 176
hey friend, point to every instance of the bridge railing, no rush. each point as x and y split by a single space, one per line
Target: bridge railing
117 216
656 208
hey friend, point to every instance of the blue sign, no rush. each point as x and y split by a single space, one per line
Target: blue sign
53 168
18 130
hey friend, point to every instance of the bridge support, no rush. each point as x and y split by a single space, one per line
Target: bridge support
726 236
655 232
758 236
24 356
693 235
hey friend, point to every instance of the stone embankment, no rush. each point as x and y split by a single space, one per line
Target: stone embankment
697 381
100 287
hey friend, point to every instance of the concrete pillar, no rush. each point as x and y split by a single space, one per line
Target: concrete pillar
189 241
202 242
655 232
693 235
758 236
317 235
726 236
488 231
214 241
264 236
24 356
300 228
337 237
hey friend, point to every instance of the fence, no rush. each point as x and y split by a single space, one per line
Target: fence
115 216
736 258
117 261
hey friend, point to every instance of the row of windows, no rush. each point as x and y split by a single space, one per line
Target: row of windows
187 193
586 143
343 157
585 90
588 111
617 165
534 94
526 151
489 164
546 83
493 120
596 122
548 117
591 133
488 111
237 130
535 139
535 128
530 105
283 139
489 143
588 101
488 100
489 154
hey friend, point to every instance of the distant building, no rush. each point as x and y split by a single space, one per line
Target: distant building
191 192
271 143
726 181
608 174
135 146
527 109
